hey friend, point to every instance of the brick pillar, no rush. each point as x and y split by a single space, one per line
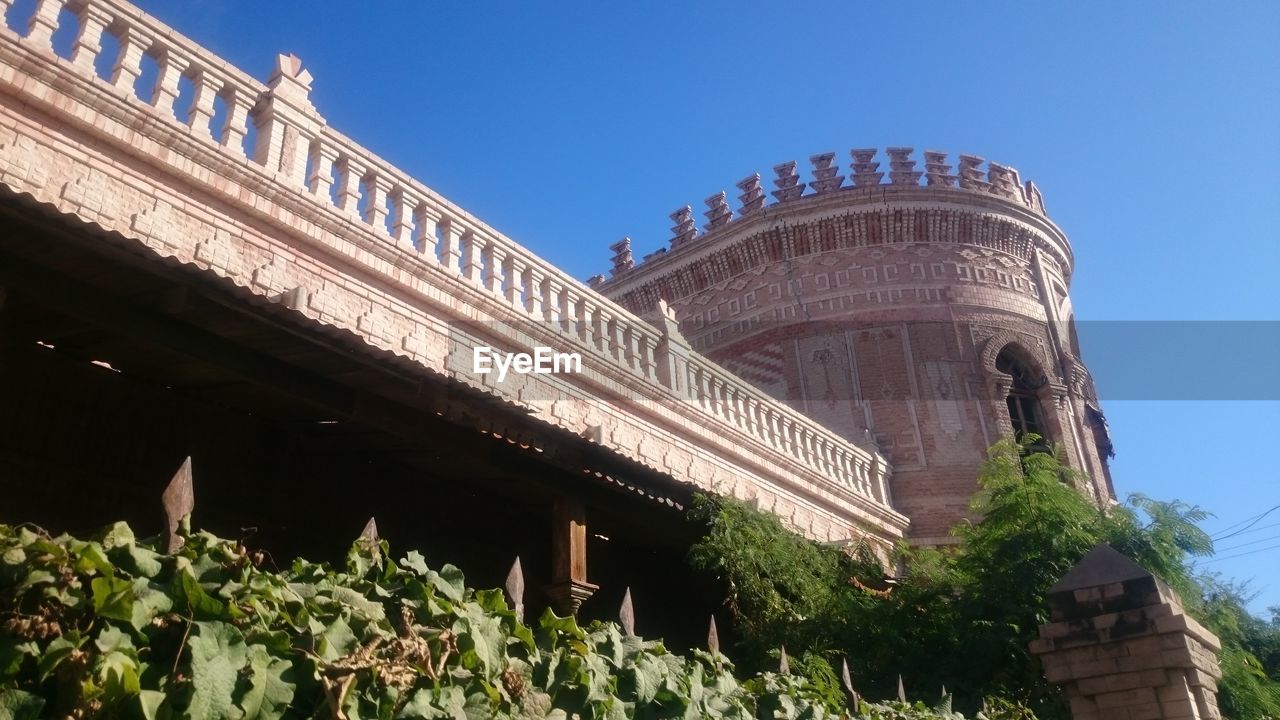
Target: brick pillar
1122 648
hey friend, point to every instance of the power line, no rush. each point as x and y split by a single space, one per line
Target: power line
1251 522
1252 542
1242 522
1260 528
1243 554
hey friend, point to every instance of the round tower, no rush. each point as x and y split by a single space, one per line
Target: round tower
925 313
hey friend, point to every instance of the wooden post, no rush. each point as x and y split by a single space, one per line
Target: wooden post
569 587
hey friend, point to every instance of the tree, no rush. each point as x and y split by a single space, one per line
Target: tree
964 616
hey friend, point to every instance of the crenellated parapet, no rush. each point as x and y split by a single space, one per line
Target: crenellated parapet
965 176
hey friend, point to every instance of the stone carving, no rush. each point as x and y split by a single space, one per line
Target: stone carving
752 197
157 224
1034 199
684 230
19 161
825 178
217 253
971 177
788 182
1004 182
622 258
937 171
718 212
864 168
902 169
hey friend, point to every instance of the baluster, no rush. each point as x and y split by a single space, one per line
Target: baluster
617 340
587 322
93 22
600 329
402 218
201 111
633 348
648 361
128 66
239 103
322 157
451 245
428 222
44 22
711 393
376 186
845 461
533 291
883 493
514 270
350 172
472 244
551 291
493 258
569 310
165 93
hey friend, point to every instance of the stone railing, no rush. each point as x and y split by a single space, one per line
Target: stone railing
866 177
735 402
249 127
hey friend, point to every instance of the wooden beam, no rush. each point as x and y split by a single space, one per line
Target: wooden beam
569 587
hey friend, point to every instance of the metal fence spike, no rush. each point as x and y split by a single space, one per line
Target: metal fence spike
845 679
370 532
179 500
902 691
515 588
784 667
713 638
627 614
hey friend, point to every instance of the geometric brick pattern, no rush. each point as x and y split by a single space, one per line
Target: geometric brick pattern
879 310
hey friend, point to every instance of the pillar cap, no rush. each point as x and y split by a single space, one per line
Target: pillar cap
1103 565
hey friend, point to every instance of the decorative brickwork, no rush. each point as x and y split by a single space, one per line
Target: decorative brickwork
879 310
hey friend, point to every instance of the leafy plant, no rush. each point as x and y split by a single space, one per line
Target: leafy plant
963 616
112 627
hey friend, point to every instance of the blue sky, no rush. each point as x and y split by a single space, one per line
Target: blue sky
1150 127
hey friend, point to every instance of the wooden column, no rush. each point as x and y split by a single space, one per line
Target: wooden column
569 587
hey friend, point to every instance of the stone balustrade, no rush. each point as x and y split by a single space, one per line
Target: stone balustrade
250 128
866 179
737 403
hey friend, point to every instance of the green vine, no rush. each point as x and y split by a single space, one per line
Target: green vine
111 627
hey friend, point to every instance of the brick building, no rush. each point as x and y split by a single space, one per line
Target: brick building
924 317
